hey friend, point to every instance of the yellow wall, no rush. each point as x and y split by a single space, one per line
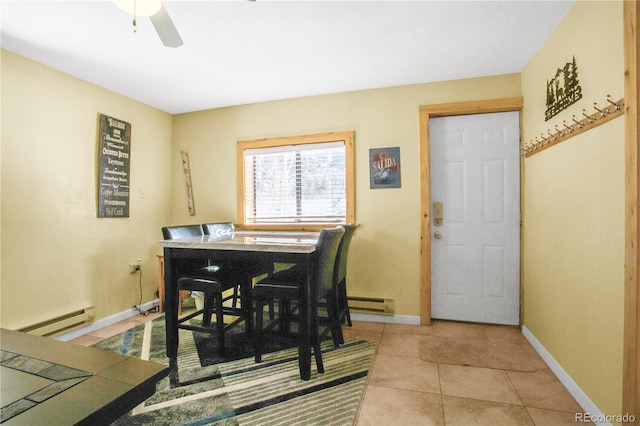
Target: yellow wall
56 255
574 208
385 254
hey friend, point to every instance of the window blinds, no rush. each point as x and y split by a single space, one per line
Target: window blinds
295 183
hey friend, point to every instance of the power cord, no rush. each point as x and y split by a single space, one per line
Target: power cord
137 307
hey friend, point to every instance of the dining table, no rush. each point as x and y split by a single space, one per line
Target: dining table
266 247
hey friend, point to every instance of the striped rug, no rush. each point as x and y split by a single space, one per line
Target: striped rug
241 392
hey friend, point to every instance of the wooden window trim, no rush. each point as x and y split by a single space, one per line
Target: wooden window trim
346 136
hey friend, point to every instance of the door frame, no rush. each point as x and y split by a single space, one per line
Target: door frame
445 110
631 348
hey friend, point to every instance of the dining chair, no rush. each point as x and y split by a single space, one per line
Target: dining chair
213 280
172 233
218 229
342 306
341 292
184 294
250 269
183 231
286 287
222 230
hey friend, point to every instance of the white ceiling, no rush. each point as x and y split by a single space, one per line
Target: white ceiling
240 52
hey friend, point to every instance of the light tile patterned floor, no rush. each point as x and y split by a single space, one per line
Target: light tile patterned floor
404 389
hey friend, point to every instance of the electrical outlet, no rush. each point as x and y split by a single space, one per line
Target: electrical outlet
135 265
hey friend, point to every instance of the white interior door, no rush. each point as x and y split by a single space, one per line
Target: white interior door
475 251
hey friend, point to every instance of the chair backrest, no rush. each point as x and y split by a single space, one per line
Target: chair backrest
327 248
218 229
184 231
343 251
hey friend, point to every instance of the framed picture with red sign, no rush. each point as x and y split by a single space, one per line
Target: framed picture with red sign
384 168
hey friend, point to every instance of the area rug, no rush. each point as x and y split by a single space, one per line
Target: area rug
236 390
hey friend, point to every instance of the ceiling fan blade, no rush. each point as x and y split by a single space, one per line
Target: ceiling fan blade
166 30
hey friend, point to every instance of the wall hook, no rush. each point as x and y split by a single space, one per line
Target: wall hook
616 106
553 137
580 125
588 116
564 123
560 132
602 112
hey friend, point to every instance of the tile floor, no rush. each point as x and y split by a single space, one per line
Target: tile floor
404 389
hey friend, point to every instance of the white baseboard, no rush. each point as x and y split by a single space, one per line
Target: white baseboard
391 319
106 321
578 394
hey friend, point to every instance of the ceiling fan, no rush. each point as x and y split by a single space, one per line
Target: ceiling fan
158 15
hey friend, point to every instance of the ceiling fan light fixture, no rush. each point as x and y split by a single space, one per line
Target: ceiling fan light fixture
139 7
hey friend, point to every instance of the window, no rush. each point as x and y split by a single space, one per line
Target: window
296 182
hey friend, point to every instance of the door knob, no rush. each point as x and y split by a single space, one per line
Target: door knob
437 234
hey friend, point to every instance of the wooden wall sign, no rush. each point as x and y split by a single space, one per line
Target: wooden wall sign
187 180
563 90
113 176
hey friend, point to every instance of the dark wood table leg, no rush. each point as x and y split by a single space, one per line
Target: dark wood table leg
171 314
304 334
246 303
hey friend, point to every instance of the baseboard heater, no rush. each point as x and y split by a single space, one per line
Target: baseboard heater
61 323
371 305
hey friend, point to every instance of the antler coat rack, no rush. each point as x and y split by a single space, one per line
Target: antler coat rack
587 122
